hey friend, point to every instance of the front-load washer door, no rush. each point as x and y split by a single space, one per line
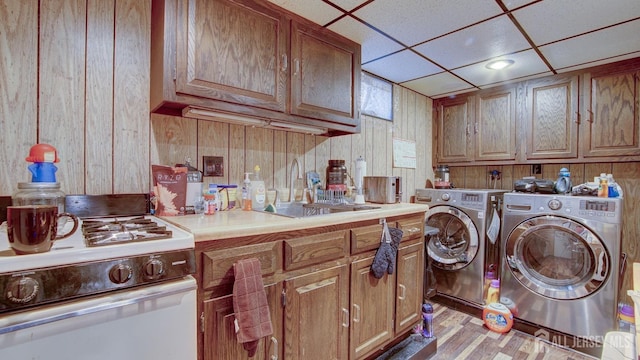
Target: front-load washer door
557 257
456 243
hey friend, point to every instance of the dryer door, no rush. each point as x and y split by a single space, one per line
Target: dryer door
557 257
456 244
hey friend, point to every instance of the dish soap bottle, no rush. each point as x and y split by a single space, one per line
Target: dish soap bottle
246 193
259 192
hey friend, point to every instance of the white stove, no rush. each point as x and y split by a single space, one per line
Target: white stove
77 267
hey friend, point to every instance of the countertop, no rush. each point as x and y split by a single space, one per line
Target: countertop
236 223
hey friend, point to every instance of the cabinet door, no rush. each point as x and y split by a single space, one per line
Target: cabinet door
234 51
613 119
372 303
495 127
325 75
410 268
551 123
455 126
316 315
220 340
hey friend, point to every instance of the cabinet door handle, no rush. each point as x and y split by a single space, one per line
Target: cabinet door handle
274 355
356 313
345 317
296 66
403 292
468 132
577 121
285 63
590 116
475 128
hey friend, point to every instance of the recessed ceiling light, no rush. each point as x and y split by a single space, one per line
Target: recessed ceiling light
499 64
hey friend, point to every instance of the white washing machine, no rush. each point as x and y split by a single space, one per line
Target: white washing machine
466 244
561 261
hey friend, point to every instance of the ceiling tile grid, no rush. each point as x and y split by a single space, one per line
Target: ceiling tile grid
440 47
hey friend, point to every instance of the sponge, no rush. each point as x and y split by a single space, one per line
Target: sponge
270 208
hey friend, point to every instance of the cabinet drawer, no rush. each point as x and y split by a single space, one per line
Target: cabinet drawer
412 230
217 266
315 249
365 238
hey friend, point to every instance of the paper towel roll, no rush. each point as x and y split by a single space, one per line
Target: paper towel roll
361 172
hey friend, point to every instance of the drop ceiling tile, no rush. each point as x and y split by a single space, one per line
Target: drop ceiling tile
580 50
401 66
527 63
415 21
486 40
513 4
436 85
374 44
549 21
317 11
348 5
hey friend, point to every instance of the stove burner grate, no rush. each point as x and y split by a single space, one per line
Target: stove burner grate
114 231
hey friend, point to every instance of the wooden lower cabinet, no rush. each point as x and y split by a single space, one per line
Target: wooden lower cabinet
316 316
409 294
323 299
372 303
219 330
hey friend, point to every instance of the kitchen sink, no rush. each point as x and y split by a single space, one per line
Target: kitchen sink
298 209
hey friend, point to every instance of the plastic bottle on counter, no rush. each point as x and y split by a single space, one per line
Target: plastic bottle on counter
493 294
246 193
258 190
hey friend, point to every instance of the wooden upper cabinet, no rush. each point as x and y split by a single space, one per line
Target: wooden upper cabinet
253 59
325 75
552 118
478 127
232 52
612 120
455 121
495 126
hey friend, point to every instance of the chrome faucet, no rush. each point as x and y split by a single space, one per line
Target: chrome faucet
292 190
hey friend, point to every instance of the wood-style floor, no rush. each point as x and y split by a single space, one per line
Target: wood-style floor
463 336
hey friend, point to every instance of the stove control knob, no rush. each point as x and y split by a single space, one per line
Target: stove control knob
154 268
23 290
446 197
120 273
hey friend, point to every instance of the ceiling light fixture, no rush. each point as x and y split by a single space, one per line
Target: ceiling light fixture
499 64
206 114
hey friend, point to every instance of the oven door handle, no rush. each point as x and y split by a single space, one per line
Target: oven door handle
92 305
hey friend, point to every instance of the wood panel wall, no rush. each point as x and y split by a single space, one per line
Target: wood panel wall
75 74
174 139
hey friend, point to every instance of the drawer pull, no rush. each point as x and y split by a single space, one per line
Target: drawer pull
356 313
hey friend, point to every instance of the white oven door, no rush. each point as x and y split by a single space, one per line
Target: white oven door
154 322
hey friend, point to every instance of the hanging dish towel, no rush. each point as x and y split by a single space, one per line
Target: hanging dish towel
250 305
385 259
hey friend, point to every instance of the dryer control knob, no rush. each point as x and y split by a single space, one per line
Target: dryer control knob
446 197
555 204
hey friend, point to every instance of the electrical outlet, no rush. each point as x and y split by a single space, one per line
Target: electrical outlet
213 166
536 169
